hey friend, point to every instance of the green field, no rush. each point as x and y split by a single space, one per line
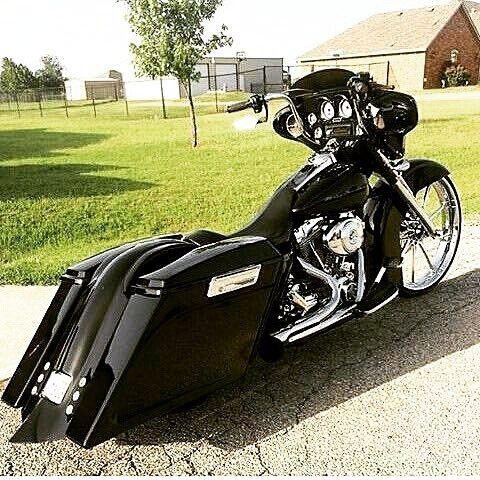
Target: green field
70 188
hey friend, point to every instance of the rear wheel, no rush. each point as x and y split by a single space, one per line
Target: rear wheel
426 258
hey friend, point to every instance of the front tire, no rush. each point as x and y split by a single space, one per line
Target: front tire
427 259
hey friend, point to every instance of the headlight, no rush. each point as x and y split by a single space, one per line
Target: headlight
345 109
327 110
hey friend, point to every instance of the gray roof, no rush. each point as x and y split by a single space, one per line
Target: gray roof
392 32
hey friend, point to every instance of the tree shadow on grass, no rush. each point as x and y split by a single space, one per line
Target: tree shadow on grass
62 181
41 142
327 371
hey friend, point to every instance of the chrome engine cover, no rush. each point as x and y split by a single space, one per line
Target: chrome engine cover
332 274
346 237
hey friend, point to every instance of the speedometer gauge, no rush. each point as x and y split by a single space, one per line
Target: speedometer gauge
345 108
327 110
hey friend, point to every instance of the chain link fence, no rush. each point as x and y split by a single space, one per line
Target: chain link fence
163 98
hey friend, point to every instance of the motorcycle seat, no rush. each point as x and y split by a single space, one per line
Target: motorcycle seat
205 237
273 222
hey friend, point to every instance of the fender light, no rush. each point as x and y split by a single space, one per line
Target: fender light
56 387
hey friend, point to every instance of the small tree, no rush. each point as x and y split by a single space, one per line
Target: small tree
172 35
51 73
15 77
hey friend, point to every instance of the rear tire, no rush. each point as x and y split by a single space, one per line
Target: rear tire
427 259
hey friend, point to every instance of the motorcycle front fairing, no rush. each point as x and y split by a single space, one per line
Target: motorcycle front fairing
140 330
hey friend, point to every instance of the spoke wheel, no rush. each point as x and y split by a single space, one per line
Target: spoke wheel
427 259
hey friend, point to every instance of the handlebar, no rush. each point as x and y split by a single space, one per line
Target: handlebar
239 106
258 102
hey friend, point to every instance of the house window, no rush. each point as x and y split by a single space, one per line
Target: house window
454 57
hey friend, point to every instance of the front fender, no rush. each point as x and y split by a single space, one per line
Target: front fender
423 172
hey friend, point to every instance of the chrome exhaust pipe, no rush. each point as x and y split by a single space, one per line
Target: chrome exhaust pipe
305 326
337 317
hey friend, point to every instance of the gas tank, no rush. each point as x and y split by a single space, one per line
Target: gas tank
339 188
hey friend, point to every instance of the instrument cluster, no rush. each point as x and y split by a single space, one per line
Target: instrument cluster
328 116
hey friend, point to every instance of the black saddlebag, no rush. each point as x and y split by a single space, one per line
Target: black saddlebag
141 330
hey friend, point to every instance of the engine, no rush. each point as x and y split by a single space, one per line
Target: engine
332 245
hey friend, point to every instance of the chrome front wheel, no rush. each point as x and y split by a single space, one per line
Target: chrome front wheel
426 258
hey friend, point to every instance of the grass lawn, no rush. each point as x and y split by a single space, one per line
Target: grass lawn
70 188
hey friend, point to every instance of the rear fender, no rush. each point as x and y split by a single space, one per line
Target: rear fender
76 329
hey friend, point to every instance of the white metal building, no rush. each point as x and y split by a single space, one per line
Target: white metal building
253 75
152 89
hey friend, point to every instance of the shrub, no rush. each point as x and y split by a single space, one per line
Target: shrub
456 75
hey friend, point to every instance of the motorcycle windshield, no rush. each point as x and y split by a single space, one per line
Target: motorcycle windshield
324 80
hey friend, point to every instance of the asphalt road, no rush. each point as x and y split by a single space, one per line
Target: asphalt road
394 393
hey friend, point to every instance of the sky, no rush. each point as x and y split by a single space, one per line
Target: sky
92 36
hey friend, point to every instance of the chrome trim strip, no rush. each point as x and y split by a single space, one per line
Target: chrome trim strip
361 276
380 275
232 281
77 280
154 292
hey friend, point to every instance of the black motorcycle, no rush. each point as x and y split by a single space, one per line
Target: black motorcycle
153 325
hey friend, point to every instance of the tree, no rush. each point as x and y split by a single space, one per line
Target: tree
51 73
172 35
15 77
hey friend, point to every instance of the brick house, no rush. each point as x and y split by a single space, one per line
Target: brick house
409 49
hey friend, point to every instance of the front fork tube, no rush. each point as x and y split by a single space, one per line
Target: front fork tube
400 186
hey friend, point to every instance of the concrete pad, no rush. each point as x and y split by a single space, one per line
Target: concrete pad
21 310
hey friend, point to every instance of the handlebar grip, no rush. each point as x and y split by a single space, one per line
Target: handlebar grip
239 106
